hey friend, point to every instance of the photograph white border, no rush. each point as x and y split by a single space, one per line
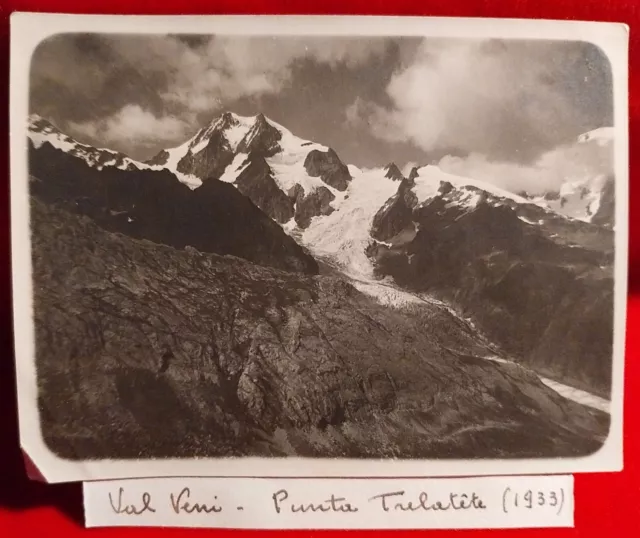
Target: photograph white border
29 29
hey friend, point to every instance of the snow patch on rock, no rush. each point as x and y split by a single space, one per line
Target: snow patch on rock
570 393
234 169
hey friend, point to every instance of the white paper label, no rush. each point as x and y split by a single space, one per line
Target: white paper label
332 503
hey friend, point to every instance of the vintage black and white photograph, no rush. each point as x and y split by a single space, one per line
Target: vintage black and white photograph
362 247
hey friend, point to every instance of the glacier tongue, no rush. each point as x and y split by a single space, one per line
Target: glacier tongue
343 235
570 393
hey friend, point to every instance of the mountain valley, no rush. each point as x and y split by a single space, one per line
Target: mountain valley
292 304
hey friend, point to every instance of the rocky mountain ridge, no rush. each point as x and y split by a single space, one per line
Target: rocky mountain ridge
152 205
261 157
41 131
537 283
230 143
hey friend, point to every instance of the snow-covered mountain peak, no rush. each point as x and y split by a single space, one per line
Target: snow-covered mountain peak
41 131
586 188
229 118
262 137
260 120
231 127
429 179
38 124
589 199
241 134
602 136
223 122
284 175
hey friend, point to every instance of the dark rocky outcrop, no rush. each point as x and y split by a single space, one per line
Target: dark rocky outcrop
210 161
542 289
263 138
143 350
153 205
606 214
316 203
393 172
159 159
296 192
413 174
397 213
328 167
256 182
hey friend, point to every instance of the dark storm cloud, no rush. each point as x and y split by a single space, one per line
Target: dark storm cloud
373 99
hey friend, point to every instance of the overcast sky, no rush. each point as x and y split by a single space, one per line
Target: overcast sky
374 100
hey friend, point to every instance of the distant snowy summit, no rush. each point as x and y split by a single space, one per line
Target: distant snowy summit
587 192
602 136
41 131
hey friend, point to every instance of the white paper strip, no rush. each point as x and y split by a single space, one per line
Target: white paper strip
337 503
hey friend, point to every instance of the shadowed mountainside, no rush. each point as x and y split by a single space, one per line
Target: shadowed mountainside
539 285
153 205
148 351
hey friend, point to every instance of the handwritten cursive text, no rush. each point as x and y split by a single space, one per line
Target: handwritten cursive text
181 504
332 504
131 509
395 501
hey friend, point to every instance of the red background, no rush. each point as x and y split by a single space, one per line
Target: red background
606 504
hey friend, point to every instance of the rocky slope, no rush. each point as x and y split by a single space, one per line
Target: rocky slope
538 284
153 205
144 350
257 183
